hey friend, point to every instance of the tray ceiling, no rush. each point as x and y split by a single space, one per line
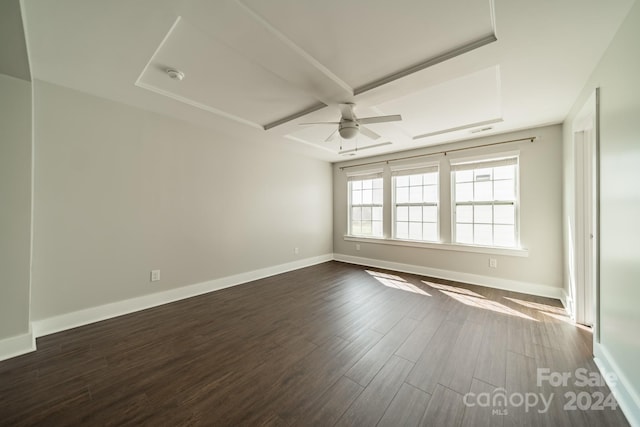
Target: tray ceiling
256 69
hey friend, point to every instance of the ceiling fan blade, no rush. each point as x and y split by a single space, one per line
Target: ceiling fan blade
319 123
346 110
368 132
380 119
331 137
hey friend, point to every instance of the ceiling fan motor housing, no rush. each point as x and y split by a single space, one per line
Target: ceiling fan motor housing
348 128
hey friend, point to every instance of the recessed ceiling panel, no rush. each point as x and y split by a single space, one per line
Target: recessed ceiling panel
362 41
219 79
465 101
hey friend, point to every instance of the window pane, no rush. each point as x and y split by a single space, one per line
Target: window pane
355 227
402 181
402 195
480 218
377 196
376 214
504 172
377 228
504 235
415 194
482 234
415 213
464 192
415 180
482 191
402 230
464 176
430 231
367 197
415 230
402 213
356 197
483 174
464 214
430 178
504 190
356 214
430 194
366 220
430 213
483 214
504 214
464 233
366 214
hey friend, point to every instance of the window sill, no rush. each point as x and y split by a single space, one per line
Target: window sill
518 252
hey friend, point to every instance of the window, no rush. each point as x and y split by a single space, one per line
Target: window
365 205
415 204
485 202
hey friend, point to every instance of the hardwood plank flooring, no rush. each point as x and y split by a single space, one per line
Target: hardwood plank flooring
332 344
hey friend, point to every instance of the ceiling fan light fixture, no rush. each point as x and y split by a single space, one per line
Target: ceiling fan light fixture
348 129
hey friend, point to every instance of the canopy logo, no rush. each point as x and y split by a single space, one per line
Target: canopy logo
500 401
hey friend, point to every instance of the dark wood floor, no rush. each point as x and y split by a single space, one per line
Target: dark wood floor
333 344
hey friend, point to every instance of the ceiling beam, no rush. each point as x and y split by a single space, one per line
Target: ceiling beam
426 64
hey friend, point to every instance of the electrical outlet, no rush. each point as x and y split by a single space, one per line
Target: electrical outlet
296 251
357 246
155 275
493 263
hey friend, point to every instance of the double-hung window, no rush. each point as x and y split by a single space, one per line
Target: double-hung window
415 204
365 205
485 202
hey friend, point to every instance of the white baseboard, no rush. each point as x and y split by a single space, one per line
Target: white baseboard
475 279
95 314
626 395
17 345
567 303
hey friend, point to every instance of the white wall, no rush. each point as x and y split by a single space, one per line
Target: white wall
540 217
15 205
617 75
121 191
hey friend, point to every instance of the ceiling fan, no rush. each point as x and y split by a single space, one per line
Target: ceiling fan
350 125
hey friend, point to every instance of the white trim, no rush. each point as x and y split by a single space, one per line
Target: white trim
567 303
456 158
17 345
74 319
623 390
188 101
295 48
462 165
475 279
585 135
197 104
398 169
355 174
459 128
519 252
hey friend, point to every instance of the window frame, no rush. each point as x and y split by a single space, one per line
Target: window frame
486 161
409 171
363 176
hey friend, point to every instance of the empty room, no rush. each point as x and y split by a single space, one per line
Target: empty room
299 212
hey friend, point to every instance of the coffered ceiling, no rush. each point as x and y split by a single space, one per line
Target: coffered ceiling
256 69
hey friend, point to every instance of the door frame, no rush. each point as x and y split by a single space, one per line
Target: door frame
586 137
